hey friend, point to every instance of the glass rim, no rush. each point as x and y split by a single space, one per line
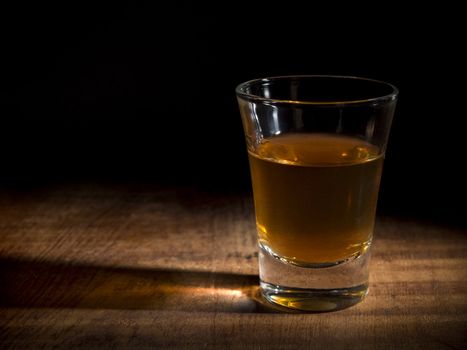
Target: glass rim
241 91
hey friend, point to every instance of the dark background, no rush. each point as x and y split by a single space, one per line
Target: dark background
144 92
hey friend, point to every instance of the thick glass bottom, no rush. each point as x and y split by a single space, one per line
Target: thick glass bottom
316 289
313 300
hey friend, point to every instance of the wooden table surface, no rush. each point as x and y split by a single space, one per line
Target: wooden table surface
176 268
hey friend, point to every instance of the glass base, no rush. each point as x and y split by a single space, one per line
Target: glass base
314 300
316 289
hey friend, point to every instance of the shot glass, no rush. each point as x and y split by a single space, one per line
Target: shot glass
316 146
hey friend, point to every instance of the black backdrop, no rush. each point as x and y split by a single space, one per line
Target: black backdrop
144 92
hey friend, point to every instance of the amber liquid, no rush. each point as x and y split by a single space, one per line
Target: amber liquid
315 196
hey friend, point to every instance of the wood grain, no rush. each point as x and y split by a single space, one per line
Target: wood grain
85 267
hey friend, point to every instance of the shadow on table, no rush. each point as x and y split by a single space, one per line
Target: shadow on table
40 284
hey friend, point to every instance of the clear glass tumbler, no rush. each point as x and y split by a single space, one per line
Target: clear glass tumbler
316 146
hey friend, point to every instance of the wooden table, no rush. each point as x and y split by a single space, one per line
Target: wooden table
127 267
